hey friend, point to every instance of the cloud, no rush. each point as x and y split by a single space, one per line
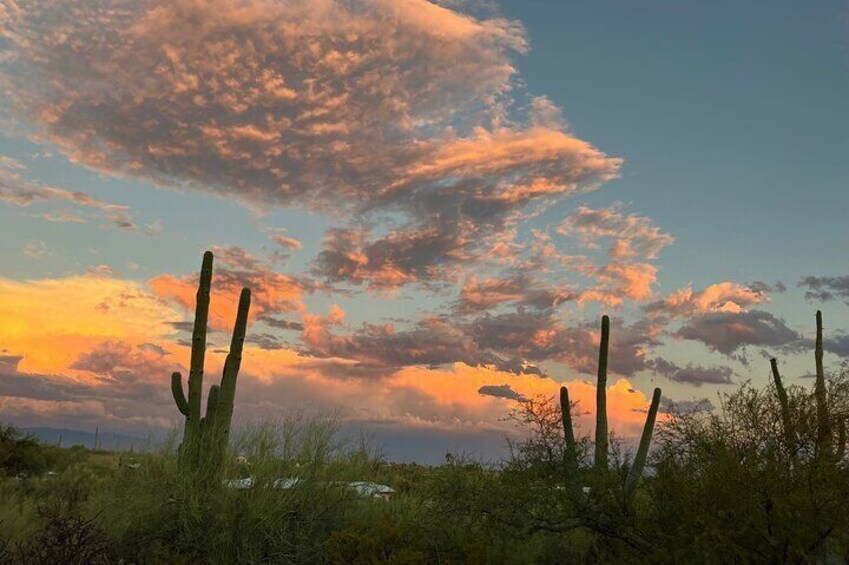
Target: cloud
347 107
77 312
501 391
726 332
118 350
692 374
271 292
632 235
512 342
725 297
667 406
18 191
287 243
839 344
634 241
518 289
825 289
36 249
401 257
540 337
432 341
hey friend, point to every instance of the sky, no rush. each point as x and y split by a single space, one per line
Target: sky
432 202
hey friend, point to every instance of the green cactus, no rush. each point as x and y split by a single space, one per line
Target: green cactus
823 423
205 438
639 465
825 432
786 421
601 434
601 437
566 413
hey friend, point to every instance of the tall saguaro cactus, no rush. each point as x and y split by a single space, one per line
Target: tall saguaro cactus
784 401
601 432
601 437
640 459
205 438
825 431
823 422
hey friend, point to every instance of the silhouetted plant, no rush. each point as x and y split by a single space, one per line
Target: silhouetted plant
826 421
602 445
205 439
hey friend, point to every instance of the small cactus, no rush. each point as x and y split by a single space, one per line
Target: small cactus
205 438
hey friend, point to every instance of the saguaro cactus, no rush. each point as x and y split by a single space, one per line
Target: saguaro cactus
205 438
601 434
640 459
783 400
823 423
825 432
566 414
601 437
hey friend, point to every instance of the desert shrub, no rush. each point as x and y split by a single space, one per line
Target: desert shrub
64 537
157 512
729 488
20 454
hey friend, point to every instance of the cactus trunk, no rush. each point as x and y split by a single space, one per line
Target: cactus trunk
824 439
645 442
786 421
568 432
601 436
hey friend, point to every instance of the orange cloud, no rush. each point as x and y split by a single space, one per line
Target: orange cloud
51 321
271 293
726 297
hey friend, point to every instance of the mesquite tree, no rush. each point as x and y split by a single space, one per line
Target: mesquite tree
205 438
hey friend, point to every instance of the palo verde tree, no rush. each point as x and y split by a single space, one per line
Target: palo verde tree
205 438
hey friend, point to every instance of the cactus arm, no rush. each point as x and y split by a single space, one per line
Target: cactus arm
645 442
786 421
232 365
566 413
601 435
823 425
198 349
179 395
212 403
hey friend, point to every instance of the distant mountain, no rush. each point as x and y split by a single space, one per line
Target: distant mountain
107 440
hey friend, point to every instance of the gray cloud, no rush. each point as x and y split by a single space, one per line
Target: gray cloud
824 289
692 374
726 331
519 289
667 405
513 342
501 391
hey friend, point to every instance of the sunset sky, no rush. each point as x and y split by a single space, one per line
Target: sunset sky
433 204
